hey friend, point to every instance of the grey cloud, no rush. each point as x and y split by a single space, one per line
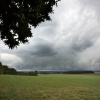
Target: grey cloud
43 50
80 45
94 5
68 42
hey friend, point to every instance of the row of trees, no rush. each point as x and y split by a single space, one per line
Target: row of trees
67 72
4 69
78 72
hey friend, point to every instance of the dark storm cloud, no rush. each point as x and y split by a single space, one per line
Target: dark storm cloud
80 45
43 50
40 48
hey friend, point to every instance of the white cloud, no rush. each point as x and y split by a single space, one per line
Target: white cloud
10 59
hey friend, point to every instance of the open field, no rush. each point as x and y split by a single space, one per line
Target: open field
50 87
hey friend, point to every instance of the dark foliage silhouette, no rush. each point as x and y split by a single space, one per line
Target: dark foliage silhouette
17 17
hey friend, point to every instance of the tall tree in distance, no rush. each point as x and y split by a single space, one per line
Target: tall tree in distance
1 68
17 17
0 64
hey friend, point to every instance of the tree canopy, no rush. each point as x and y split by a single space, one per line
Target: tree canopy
17 17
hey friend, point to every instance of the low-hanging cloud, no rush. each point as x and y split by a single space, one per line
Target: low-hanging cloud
43 48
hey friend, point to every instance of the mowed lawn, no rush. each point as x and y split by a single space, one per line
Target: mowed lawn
50 87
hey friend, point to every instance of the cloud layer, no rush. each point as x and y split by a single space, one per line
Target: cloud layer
71 41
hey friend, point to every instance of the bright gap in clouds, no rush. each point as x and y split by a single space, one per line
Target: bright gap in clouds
71 41
10 59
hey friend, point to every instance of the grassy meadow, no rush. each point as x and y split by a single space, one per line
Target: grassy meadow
50 87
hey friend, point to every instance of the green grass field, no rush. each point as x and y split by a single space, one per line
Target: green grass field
50 87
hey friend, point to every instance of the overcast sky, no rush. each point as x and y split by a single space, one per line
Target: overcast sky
71 41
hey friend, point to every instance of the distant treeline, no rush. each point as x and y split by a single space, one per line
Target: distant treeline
67 72
78 72
4 69
35 73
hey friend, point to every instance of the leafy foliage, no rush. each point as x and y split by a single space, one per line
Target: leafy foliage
17 17
4 69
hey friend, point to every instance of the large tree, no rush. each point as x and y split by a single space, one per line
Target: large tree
17 17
